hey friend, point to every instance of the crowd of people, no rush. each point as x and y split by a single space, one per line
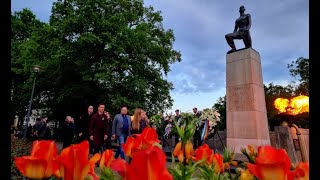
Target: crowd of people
106 132
37 131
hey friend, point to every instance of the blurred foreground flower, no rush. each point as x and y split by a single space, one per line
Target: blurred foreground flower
74 163
147 138
147 164
271 164
41 163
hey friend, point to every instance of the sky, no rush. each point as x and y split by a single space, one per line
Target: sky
279 32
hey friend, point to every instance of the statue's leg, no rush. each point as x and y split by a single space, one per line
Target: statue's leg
229 38
247 40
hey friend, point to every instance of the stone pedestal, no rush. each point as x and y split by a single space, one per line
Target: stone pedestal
246 107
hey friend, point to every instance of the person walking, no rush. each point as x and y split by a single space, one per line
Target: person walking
121 129
99 129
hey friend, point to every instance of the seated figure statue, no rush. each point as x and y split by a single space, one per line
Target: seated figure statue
241 31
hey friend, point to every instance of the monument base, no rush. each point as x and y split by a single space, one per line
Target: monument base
247 122
237 144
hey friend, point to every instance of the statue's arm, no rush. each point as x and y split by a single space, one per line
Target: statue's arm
249 22
235 27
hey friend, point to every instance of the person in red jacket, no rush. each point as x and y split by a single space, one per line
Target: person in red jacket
99 129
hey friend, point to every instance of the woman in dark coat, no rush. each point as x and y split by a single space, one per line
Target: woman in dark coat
99 129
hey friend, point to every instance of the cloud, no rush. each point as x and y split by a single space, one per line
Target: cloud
279 33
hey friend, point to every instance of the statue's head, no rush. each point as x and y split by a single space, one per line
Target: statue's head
242 9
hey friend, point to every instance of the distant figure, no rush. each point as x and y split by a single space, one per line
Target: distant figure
41 129
68 131
108 141
84 124
144 121
199 124
241 31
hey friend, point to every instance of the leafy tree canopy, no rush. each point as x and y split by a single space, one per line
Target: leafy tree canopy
299 69
111 51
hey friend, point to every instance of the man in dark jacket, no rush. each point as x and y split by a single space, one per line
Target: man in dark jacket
121 129
41 129
199 126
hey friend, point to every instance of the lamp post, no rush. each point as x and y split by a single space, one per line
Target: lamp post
36 70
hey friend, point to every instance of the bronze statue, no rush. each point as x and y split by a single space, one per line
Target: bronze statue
241 31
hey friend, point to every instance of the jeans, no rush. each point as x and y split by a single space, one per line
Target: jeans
121 139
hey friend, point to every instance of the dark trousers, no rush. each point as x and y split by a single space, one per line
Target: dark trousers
67 142
197 139
108 142
98 149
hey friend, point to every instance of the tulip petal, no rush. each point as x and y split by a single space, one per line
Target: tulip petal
149 164
30 167
271 163
106 158
302 171
218 163
203 153
128 146
188 150
120 166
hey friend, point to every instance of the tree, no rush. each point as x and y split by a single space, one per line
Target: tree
23 25
220 105
116 52
272 92
299 69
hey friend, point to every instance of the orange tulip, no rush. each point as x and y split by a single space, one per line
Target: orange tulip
74 163
106 159
128 146
204 153
271 163
147 138
41 163
92 164
147 164
178 151
120 166
217 160
302 171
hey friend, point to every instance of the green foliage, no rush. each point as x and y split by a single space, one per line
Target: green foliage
299 69
251 159
108 174
208 173
116 52
272 92
228 155
182 172
187 129
221 107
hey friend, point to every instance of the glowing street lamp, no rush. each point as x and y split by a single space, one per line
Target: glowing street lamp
36 69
